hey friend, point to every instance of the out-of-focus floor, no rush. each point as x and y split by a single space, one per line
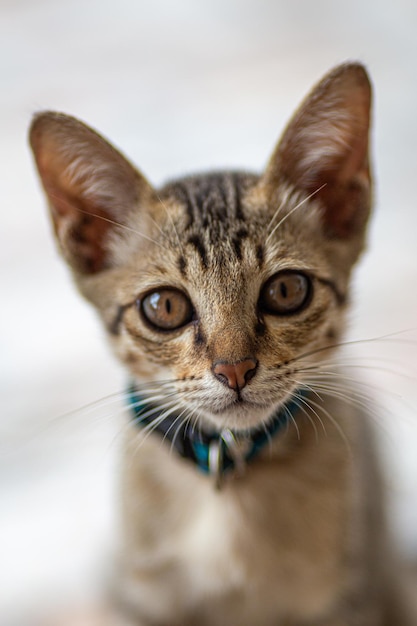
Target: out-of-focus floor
179 87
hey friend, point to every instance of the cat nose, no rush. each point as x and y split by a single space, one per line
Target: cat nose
235 375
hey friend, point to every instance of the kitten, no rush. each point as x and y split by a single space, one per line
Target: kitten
250 491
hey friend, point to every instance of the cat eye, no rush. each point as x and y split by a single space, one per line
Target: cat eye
285 293
167 309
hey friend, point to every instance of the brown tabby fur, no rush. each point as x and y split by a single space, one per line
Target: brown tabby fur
300 539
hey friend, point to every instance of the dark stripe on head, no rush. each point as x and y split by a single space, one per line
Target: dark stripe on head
222 188
238 199
182 265
237 240
260 255
197 242
237 246
184 194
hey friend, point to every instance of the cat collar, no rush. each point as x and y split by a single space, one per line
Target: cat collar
214 453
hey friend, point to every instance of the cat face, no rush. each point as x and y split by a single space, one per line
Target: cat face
209 293
227 288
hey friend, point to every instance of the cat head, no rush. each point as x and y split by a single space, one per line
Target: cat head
225 287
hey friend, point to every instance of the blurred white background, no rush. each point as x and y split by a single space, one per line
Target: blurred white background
179 87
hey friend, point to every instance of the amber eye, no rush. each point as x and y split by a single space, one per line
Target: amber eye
285 293
167 309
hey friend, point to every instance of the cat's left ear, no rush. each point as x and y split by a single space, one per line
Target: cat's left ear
324 150
92 189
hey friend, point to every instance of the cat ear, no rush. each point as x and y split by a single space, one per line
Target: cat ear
324 150
91 188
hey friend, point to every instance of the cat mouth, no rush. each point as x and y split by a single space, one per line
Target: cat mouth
238 404
240 414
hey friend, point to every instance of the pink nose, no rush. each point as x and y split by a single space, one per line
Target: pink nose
235 375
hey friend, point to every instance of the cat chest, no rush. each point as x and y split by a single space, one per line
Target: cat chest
250 550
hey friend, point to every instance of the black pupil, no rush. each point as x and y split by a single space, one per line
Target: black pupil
167 309
285 293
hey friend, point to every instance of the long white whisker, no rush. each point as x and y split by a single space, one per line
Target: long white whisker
388 337
113 222
176 424
326 375
376 368
357 399
299 403
277 212
300 204
195 419
153 409
333 421
292 419
147 430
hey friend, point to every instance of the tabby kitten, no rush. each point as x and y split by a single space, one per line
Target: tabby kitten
250 491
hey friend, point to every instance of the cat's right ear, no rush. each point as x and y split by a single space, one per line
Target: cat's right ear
91 188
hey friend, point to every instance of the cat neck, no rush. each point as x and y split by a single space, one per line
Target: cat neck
214 453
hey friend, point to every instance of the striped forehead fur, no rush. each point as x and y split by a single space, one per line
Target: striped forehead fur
214 216
221 211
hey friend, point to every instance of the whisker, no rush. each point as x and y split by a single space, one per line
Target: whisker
109 400
177 424
147 430
388 337
196 416
311 403
299 401
108 220
134 423
361 399
300 204
349 389
86 409
369 367
151 410
357 399
292 419
155 223
277 212
326 375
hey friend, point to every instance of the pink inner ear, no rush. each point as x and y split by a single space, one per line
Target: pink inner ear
81 229
326 145
346 207
81 225
91 187
345 185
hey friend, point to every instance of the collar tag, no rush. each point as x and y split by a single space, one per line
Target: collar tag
238 448
215 462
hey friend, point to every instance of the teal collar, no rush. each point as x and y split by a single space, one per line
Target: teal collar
214 453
